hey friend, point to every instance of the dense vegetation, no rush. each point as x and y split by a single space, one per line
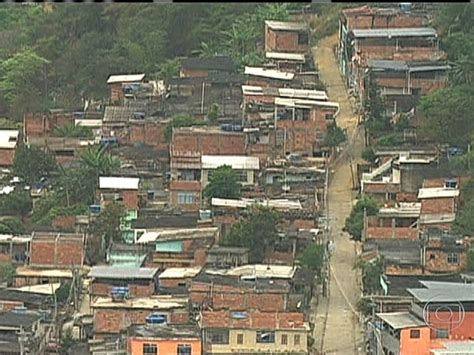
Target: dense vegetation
55 55
354 224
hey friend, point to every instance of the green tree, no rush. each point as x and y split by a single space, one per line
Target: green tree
11 225
334 136
256 231
18 76
368 154
312 258
376 120
223 183
470 261
31 163
7 273
98 161
63 291
67 341
17 203
170 69
447 115
464 222
105 229
354 224
371 273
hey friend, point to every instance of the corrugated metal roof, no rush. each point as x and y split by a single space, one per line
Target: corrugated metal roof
437 192
465 347
180 272
400 320
437 291
122 272
240 162
126 78
8 138
395 32
118 183
387 64
303 94
290 102
269 73
296 57
286 26
245 203
423 68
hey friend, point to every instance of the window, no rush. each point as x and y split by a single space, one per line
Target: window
186 198
218 336
453 258
150 349
184 349
265 336
297 339
415 334
303 38
240 339
284 339
241 175
442 333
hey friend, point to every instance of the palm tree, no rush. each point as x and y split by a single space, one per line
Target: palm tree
96 159
462 71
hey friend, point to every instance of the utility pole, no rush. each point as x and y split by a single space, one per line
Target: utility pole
22 338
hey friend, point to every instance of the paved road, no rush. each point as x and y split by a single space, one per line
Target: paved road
339 332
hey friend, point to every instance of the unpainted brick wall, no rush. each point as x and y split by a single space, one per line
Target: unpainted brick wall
283 41
209 143
130 199
6 157
437 261
65 253
104 289
438 205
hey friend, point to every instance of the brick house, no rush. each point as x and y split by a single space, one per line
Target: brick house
117 82
141 282
119 189
439 205
267 288
197 67
179 247
286 37
219 256
113 317
39 124
177 277
187 147
164 339
11 298
30 276
8 143
14 249
293 62
57 250
65 150
264 77
402 83
432 326
225 332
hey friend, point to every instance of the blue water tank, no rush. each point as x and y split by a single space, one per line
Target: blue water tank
226 127
156 318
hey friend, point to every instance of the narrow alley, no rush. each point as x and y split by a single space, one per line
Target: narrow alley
337 330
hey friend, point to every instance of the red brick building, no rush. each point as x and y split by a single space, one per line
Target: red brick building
287 37
40 124
116 83
187 147
119 189
8 142
57 250
141 282
113 317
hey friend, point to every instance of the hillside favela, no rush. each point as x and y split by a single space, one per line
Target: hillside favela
237 178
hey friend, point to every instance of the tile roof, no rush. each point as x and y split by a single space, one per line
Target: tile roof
253 320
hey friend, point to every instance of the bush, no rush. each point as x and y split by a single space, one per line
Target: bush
390 140
368 154
334 136
354 224
11 225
